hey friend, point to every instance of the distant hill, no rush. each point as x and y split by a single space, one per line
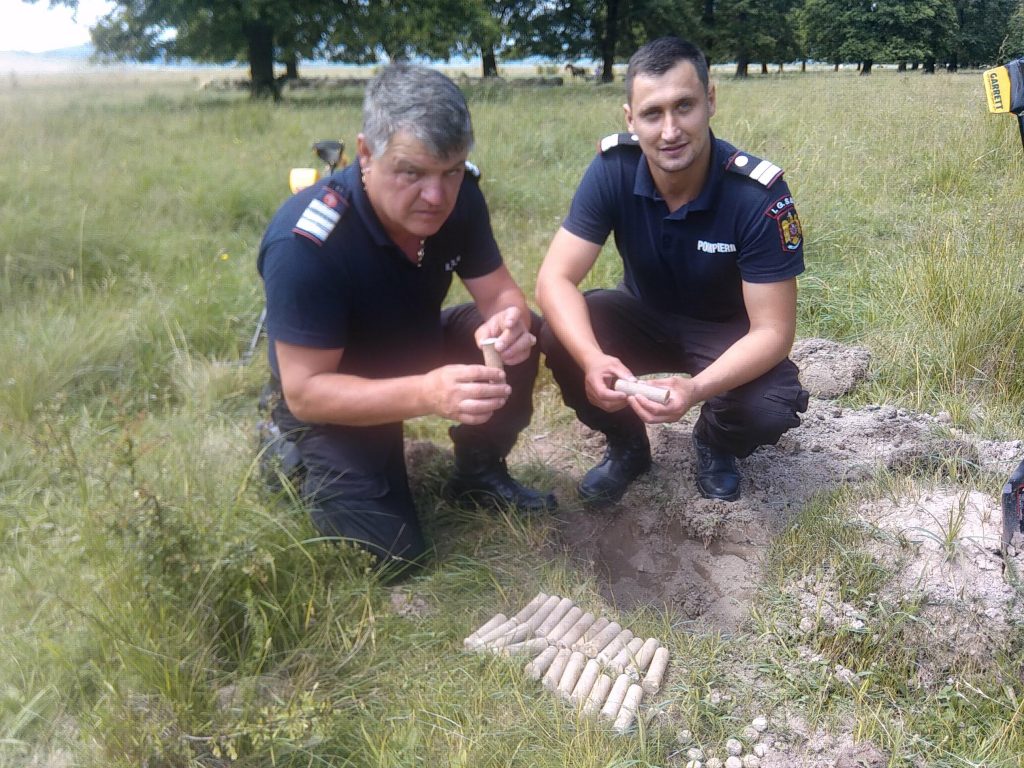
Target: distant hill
75 52
73 59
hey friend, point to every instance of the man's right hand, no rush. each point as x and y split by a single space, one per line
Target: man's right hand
468 394
599 375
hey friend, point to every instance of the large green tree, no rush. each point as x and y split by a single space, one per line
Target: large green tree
824 31
983 26
866 31
917 31
402 29
605 30
1012 46
755 30
484 28
259 32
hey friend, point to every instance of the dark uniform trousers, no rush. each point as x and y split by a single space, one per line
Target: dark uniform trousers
356 484
649 341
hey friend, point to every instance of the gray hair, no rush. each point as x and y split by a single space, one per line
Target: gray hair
420 101
659 56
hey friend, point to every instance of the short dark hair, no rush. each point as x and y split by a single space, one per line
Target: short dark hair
659 56
422 101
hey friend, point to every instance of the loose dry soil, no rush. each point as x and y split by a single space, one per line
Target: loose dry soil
934 532
699 559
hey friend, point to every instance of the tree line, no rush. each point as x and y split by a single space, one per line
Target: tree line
912 34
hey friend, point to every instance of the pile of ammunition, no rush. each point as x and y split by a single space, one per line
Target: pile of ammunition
591 662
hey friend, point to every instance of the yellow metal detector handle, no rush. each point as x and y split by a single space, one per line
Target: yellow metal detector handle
1004 91
997 89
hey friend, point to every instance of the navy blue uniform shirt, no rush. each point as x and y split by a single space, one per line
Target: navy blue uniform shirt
334 279
742 226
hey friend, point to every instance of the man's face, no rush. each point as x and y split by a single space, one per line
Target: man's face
412 192
670 114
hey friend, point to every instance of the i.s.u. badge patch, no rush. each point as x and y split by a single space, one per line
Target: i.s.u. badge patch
790 231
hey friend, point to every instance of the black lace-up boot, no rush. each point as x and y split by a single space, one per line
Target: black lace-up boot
481 478
717 475
626 458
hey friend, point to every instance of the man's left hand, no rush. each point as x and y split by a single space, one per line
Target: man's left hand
514 339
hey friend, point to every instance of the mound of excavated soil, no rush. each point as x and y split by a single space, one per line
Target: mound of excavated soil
665 545
939 542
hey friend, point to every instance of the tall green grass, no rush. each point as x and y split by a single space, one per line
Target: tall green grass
160 608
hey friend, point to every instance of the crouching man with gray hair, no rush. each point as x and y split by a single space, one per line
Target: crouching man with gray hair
355 270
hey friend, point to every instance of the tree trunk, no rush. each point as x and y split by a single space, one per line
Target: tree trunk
742 66
929 65
489 61
865 67
764 68
259 38
707 18
394 51
901 67
291 66
609 40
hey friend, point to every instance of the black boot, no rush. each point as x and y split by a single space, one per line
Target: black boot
625 459
717 475
279 458
481 478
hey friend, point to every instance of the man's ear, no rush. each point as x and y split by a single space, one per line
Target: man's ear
712 99
629 116
363 153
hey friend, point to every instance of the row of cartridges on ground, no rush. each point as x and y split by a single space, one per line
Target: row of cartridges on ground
589 661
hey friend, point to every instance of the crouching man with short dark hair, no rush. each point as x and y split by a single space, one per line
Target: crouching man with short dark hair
711 246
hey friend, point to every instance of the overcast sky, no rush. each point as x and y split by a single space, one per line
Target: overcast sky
35 28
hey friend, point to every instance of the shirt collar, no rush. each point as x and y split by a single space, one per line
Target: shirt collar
643 186
351 179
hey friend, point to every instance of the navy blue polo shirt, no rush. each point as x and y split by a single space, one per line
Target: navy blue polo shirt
334 279
691 261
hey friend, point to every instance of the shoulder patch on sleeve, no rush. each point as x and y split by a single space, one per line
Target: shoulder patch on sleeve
618 140
322 215
473 169
755 168
791 233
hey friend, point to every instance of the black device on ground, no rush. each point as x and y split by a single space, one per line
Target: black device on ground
1013 506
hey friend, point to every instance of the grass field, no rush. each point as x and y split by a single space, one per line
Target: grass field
159 608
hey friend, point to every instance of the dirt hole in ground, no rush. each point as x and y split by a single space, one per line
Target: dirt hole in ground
664 545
